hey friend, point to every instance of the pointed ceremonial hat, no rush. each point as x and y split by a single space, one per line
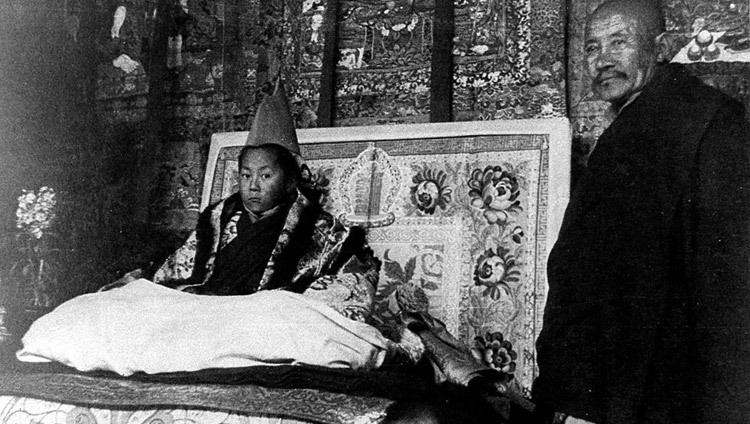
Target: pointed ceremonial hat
273 123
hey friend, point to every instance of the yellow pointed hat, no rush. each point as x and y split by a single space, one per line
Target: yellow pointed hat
273 123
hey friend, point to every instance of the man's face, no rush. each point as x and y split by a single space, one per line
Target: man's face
618 62
263 184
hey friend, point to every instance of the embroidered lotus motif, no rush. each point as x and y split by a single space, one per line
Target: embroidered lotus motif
494 270
430 191
496 352
496 191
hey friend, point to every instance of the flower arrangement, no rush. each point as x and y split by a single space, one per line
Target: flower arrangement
36 211
32 276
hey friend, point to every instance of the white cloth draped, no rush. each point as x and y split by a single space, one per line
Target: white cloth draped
150 328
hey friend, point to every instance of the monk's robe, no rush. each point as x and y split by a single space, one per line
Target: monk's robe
291 248
244 249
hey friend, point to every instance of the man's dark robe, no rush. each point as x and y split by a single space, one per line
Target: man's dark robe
648 313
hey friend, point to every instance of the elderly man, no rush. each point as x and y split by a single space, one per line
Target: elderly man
648 313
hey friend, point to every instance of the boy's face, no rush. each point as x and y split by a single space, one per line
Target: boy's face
263 184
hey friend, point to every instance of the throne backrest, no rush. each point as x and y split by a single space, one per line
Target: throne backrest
465 212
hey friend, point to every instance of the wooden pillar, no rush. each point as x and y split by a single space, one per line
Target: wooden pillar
441 79
158 118
327 97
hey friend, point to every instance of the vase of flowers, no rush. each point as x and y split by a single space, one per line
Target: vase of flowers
32 277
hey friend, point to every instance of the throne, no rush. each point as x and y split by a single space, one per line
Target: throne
463 212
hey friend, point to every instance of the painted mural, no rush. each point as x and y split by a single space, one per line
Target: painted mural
709 31
221 55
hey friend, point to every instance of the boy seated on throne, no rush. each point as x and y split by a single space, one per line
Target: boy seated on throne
273 233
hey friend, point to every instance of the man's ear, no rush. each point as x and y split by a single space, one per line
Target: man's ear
661 45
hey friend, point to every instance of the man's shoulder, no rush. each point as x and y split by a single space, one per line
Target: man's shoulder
689 88
702 103
673 102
